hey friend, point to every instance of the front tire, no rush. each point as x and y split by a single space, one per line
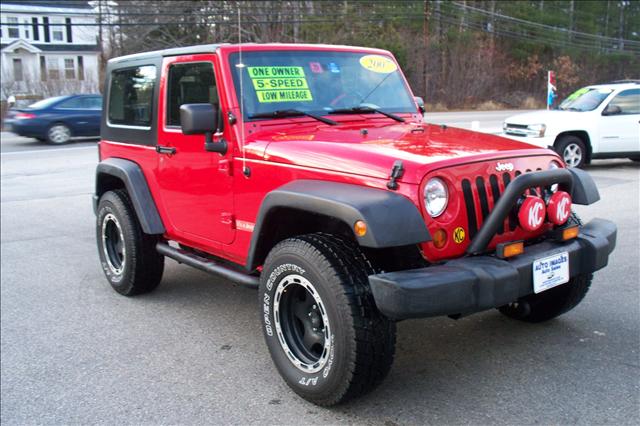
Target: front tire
323 330
127 255
58 134
572 150
553 302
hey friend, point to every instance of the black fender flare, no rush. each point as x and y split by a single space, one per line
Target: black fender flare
136 185
392 219
585 191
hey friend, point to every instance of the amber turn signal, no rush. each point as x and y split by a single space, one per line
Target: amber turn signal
507 250
439 238
360 228
570 233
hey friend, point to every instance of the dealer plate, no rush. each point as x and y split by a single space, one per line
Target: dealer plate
550 271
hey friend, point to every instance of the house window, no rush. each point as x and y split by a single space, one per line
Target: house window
53 68
13 29
69 69
80 68
26 29
57 29
57 34
17 69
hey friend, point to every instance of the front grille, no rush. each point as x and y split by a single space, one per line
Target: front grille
517 126
518 130
480 195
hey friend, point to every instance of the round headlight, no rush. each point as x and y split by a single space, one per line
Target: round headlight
436 196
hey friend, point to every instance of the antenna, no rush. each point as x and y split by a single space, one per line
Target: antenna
245 170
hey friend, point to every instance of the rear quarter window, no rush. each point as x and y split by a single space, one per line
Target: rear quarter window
131 96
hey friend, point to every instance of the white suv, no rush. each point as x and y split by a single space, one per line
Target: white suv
594 122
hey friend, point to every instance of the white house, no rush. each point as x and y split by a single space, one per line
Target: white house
45 49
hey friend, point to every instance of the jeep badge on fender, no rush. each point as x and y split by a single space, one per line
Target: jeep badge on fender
308 173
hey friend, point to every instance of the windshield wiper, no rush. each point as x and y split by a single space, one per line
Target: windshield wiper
283 113
365 110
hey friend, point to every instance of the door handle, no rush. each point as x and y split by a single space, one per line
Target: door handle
169 150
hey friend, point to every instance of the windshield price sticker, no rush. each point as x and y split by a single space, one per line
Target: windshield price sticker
280 84
379 64
284 95
578 93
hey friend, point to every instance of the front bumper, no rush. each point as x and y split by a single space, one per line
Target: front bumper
477 283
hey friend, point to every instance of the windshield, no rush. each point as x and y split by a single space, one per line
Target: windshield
46 102
318 82
585 99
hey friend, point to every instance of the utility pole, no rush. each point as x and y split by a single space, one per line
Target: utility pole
492 23
425 46
621 43
101 58
572 22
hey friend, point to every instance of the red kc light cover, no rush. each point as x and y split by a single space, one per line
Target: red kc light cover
559 207
532 213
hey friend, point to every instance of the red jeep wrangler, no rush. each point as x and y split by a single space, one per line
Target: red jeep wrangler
308 172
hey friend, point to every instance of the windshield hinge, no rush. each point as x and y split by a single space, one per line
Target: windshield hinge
396 173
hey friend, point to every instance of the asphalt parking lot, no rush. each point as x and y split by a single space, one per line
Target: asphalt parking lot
192 352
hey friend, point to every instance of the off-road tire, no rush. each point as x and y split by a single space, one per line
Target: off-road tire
553 302
141 266
362 340
59 134
568 144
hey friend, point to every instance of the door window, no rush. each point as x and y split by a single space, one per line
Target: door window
94 103
628 101
189 83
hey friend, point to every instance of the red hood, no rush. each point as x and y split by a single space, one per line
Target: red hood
351 149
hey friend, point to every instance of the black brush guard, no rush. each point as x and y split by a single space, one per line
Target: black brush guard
479 282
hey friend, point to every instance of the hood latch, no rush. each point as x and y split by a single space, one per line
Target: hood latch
396 173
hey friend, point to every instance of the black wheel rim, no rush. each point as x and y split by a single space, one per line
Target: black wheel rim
113 244
302 323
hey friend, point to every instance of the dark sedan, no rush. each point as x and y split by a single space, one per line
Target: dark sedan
56 120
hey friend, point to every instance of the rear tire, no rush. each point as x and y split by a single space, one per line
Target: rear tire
572 150
325 335
58 134
128 256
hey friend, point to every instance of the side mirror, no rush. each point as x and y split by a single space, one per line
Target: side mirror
197 119
420 103
612 110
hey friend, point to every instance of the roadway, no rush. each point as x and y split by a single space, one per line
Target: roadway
192 352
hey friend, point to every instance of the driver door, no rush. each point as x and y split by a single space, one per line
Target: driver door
620 132
196 185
